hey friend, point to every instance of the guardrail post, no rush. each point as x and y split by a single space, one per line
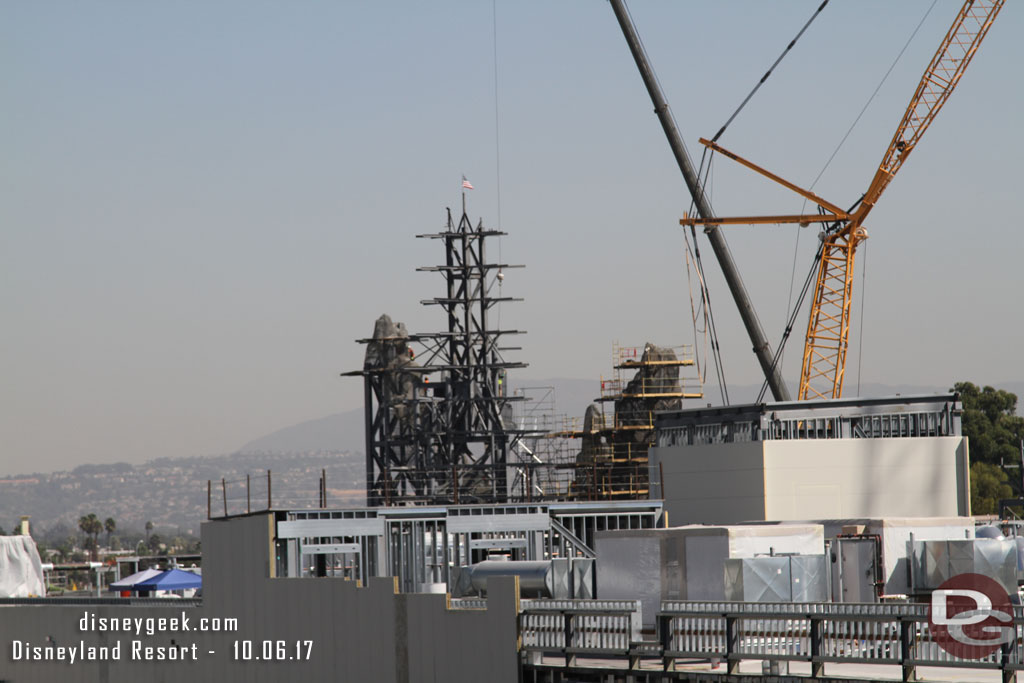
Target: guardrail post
665 636
906 646
817 627
732 642
1005 659
570 658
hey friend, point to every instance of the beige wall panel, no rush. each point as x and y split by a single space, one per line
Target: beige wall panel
863 478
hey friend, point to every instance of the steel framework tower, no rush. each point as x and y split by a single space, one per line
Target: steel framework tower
439 428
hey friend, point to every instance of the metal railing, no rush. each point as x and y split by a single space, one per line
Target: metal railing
718 631
894 634
580 627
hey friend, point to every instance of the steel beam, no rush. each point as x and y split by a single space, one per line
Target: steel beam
721 248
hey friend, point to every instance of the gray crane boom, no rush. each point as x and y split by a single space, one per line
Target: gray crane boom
721 248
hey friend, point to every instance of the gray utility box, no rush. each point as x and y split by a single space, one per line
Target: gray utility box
935 562
688 563
871 555
787 578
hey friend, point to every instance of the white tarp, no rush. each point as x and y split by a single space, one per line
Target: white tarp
790 539
21 571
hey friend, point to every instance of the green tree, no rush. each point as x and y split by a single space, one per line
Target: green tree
995 435
154 543
110 526
989 485
91 526
990 423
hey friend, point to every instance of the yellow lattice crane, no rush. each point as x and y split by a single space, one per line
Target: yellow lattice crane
824 358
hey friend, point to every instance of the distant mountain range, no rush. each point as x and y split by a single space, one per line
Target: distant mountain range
172 492
345 431
569 397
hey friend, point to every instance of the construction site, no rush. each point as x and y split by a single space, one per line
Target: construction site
656 536
443 427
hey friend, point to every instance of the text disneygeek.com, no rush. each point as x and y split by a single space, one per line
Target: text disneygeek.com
138 649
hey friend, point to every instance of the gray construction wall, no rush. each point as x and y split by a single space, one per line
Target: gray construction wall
358 634
813 479
713 484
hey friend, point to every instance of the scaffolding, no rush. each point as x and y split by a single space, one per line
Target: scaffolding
612 461
439 423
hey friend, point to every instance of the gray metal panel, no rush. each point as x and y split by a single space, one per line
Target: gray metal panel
997 559
485 523
931 564
935 562
629 568
857 557
961 557
810 578
497 543
766 579
330 548
561 578
583 578
327 528
733 569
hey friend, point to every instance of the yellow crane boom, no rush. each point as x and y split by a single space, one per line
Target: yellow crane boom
824 358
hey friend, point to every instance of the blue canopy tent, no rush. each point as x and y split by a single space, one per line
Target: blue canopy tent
170 580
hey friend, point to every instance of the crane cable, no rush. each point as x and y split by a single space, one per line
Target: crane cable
709 314
835 226
497 154
769 71
705 294
705 167
863 287
873 95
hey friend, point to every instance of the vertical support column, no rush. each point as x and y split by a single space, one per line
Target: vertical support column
906 649
732 642
668 663
1006 658
817 627
570 658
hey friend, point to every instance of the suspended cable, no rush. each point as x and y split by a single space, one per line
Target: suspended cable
871 99
863 288
769 72
497 129
792 318
835 226
709 319
792 273
497 150
695 312
716 350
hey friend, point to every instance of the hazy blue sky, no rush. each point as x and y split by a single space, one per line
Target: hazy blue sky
204 204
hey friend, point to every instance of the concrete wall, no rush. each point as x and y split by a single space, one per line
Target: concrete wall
358 634
828 478
715 484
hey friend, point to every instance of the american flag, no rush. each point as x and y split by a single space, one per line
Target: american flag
466 184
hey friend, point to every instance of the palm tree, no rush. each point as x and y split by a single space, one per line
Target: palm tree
110 526
92 526
149 529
